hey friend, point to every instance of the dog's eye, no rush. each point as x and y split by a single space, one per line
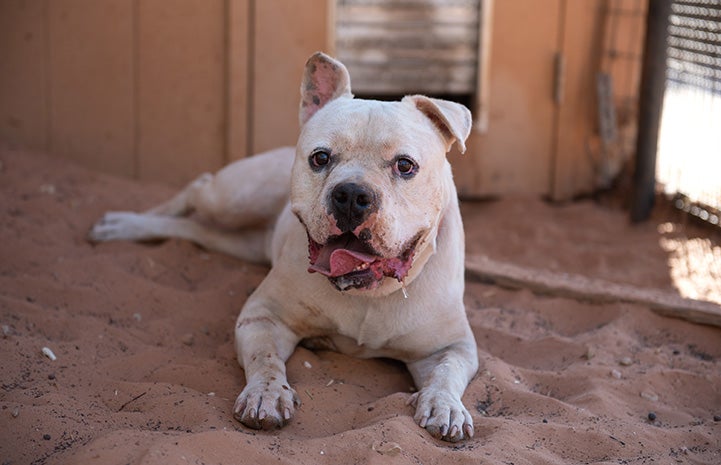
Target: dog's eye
406 167
319 159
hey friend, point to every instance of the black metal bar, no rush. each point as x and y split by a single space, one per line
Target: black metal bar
653 84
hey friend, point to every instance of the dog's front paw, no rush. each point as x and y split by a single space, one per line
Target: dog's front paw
266 405
442 415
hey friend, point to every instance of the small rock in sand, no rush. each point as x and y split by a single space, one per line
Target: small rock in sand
389 448
648 395
188 339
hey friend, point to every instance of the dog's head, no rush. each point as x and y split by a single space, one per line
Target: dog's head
371 179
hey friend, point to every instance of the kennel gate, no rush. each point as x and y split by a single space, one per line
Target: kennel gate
689 151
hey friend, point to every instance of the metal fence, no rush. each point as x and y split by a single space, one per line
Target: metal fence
689 150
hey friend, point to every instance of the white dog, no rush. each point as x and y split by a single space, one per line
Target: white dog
361 225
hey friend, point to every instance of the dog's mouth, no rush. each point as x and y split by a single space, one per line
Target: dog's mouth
348 262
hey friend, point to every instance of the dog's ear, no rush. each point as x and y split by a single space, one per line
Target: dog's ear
452 119
324 79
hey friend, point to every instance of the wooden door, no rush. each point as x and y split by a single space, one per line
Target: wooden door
515 155
542 129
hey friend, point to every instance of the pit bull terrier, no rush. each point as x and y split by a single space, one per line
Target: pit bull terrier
360 222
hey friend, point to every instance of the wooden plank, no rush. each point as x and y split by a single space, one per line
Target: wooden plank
573 170
91 83
286 33
237 101
372 79
484 269
420 12
446 44
23 82
482 100
181 89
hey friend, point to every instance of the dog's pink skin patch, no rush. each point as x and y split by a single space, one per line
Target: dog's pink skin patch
333 228
321 83
324 78
314 248
396 267
313 251
365 225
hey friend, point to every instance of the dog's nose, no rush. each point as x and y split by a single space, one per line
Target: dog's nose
351 204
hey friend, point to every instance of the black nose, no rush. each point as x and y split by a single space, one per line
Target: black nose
351 204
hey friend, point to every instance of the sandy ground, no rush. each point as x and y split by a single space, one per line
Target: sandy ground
145 370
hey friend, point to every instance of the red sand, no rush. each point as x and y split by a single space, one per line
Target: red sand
146 374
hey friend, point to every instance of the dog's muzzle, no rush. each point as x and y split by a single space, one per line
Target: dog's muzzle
347 258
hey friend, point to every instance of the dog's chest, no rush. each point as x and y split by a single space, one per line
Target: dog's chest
372 348
370 333
374 330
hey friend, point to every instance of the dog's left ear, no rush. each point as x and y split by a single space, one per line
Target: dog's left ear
324 79
452 119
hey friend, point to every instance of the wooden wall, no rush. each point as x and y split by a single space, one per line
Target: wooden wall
24 119
162 90
543 122
136 88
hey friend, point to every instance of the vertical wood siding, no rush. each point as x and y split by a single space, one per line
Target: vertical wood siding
164 90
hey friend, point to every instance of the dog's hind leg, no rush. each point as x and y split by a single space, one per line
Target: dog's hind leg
250 192
248 244
233 210
184 202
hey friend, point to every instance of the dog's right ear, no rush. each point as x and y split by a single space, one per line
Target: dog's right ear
324 79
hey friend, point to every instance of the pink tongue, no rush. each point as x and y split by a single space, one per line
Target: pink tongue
343 261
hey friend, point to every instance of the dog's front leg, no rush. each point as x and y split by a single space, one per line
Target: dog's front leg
441 379
264 343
